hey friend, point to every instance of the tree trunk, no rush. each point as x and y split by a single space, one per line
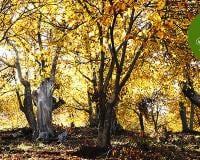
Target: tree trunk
192 110
90 109
155 120
183 117
93 116
97 114
103 139
192 95
101 125
27 107
45 108
141 120
198 118
115 126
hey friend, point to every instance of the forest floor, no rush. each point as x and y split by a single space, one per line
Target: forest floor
80 144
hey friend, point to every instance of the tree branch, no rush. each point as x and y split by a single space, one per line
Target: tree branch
102 62
86 77
79 103
7 63
112 46
54 64
20 101
125 43
18 67
130 69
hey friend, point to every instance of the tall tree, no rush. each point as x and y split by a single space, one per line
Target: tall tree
121 41
37 40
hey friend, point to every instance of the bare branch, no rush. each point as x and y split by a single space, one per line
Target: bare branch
2 93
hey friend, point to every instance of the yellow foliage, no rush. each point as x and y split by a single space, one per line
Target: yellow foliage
72 27
155 18
160 4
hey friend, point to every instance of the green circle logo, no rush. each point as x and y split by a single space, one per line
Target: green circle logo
194 36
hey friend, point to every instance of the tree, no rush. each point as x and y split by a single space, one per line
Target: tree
143 111
116 61
44 101
42 38
183 117
27 106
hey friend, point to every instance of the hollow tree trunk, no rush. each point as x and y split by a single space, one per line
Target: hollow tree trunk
192 110
183 117
45 108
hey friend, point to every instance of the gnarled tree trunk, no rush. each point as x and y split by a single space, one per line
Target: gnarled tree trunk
27 107
44 102
45 108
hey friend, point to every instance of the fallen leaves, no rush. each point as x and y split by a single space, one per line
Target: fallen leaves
81 144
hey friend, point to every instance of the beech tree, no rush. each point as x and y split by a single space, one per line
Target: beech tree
120 50
38 37
114 44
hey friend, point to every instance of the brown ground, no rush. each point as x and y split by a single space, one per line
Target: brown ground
81 145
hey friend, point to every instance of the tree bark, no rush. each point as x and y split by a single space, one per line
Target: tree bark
102 111
141 120
45 108
27 107
183 117
103 139
192 95
115 126
198 118
93 116
155 120
192 110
